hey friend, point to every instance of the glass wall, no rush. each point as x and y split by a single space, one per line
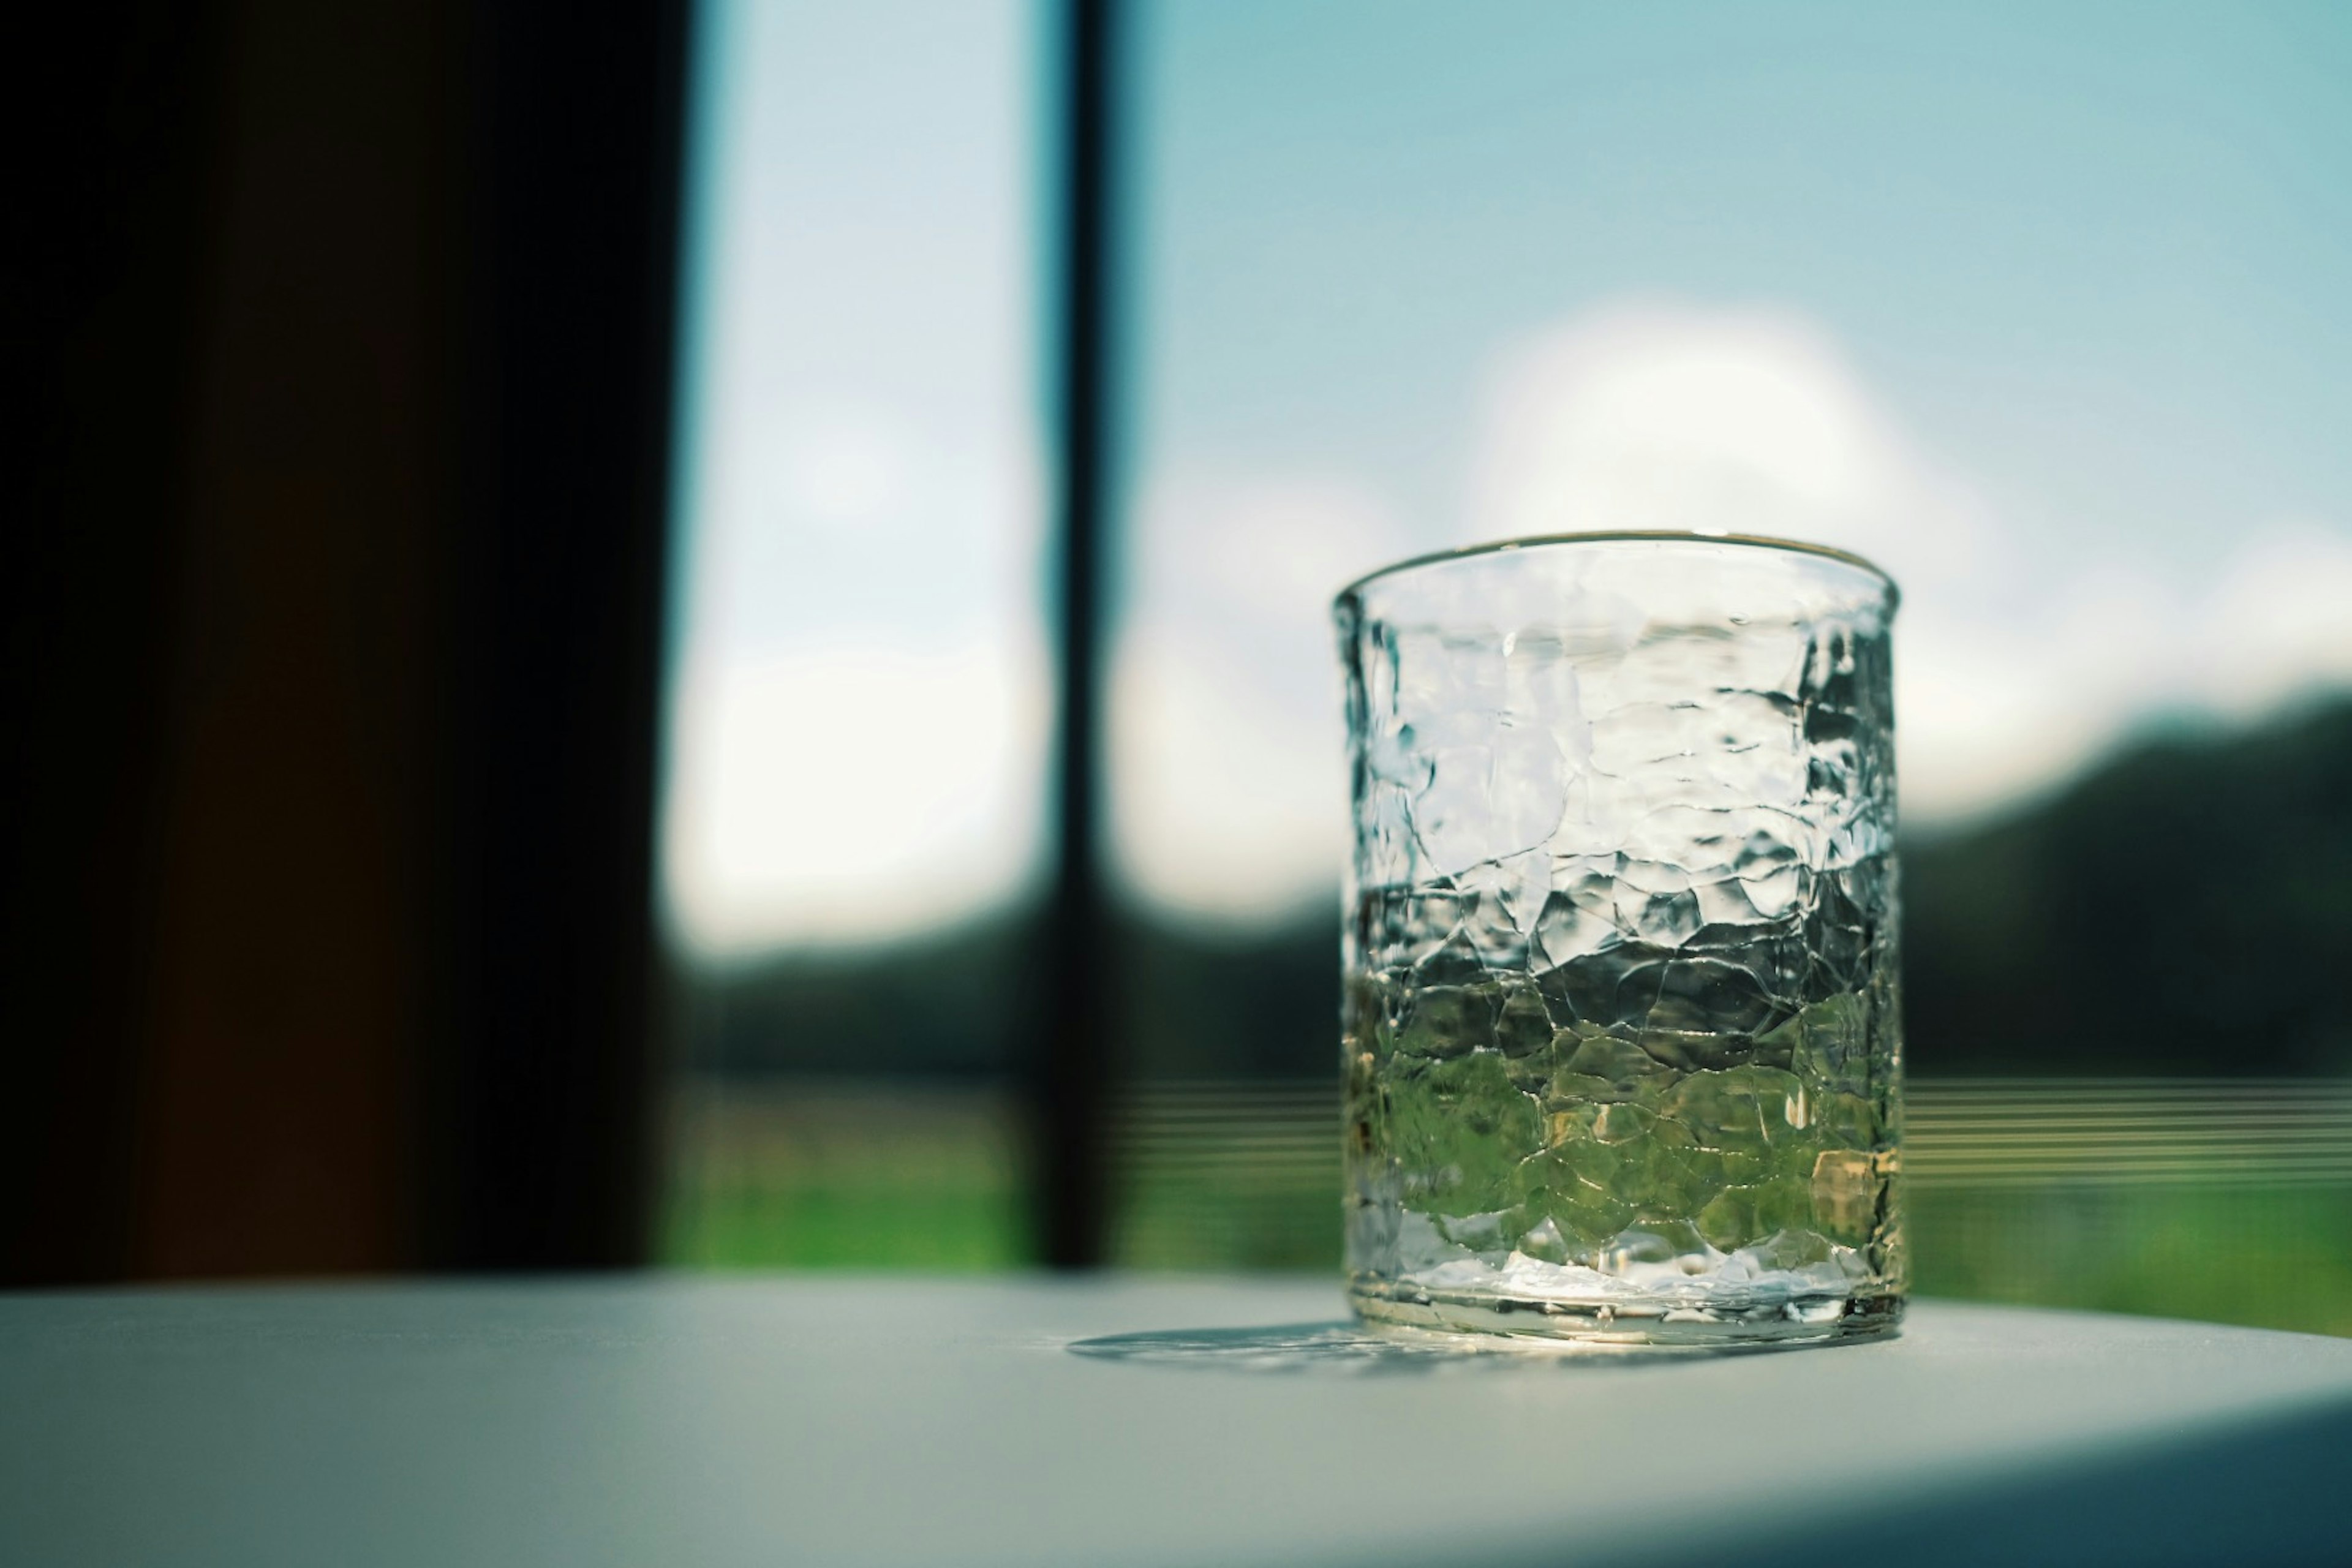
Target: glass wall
858 695
2045 310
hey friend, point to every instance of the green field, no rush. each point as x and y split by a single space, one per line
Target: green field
1220 1178
825 1176
2276 1257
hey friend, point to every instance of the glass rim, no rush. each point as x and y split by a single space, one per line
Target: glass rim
1622 535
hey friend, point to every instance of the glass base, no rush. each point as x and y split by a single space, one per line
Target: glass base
1729 1321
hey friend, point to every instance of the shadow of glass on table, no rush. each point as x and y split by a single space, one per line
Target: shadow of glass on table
1345 1347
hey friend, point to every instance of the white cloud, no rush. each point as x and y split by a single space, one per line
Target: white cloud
2278 623
1227 778
1652 415
850 795
847 466
856 727
1994 709
2014 667
1227 802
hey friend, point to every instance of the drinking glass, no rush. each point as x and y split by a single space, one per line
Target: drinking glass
1622 1035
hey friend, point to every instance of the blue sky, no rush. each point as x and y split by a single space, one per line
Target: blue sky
855 703
2100 252
2048 307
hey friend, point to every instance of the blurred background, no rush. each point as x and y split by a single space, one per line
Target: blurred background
700 636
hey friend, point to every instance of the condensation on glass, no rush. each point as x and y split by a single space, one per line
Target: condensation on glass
1623 1044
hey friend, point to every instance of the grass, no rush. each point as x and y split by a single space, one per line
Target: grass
833 1176
884 1176
2276 1257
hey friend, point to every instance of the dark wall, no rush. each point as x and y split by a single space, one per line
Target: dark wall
101 296
334 578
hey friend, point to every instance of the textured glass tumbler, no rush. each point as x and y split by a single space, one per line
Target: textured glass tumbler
1622 1037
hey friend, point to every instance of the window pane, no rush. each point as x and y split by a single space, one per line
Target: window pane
858 694
2043 308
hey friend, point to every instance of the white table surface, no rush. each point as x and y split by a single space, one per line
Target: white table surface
831 1420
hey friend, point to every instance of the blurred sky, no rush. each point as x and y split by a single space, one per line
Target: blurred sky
857 694
2049 308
